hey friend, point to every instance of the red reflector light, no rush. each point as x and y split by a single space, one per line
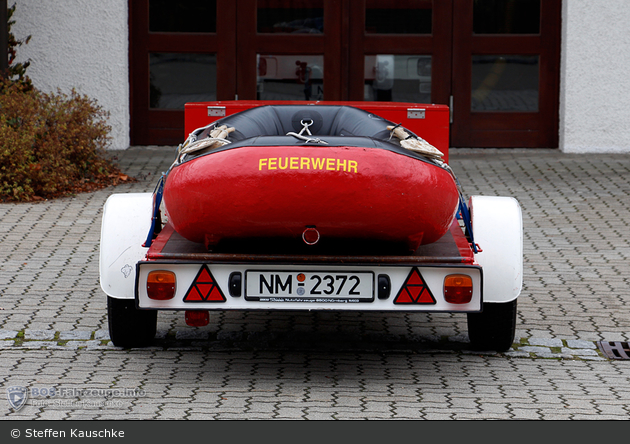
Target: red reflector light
161 285
197 318
415 290
458 288
204 288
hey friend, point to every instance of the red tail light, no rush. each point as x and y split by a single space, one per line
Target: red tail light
197 318
458 288
161 285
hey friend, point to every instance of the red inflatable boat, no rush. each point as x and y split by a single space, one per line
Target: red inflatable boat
308 173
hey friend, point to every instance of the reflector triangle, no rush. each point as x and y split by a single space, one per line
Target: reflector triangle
204 276
415 278
414 290
215 295
204 288
425 297
403 297
193 295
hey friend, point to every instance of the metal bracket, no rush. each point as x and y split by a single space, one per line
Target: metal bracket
218 111
415 113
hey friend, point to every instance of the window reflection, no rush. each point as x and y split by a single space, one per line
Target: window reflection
398 78
504 83
399 17
290 16
506 16
290 77
182 16
177 78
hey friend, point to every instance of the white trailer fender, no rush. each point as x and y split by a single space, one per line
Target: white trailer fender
126 223
497 227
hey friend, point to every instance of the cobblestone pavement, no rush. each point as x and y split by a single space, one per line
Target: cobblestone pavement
576 208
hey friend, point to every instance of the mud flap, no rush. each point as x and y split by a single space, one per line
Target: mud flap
126 221
498 227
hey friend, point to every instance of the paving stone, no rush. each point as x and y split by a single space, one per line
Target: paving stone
536 350
579 352
593 358
40 344
517 354
101 335
68 335
39 334
8 334
191 334
546 342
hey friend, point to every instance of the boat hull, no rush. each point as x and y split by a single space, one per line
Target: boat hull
280 191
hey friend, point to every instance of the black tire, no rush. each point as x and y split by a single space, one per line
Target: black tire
128 326
494 327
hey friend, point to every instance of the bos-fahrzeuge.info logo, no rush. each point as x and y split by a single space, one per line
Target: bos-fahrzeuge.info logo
89 397
17 396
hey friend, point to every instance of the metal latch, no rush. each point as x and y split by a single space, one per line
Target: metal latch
415 113
216 111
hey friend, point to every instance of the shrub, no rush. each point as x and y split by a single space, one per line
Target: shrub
51 145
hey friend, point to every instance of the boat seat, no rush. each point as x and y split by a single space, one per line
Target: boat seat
330 125
325 120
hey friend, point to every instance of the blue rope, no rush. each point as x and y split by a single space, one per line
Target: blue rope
157 200
463 208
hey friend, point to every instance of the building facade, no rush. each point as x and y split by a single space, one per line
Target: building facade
516 73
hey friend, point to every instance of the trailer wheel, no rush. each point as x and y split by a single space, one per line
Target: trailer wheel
494 327
128 326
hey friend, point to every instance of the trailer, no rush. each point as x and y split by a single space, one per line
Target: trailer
474 268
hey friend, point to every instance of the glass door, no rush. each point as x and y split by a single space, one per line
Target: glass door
289 49
400 51
505 76
182 51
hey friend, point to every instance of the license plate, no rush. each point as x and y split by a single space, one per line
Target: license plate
309 286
